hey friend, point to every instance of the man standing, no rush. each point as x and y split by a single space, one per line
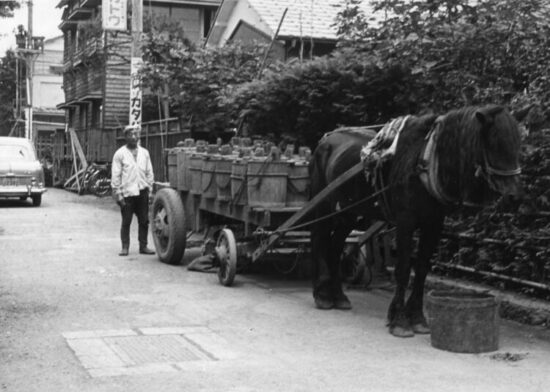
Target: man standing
132 179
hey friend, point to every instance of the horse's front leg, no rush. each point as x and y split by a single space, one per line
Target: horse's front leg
429 238
398 321
342 228
321 266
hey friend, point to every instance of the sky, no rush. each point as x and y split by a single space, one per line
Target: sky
46 18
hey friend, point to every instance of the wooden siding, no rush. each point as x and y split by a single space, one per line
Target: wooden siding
69 86
95 81
81 82
116 101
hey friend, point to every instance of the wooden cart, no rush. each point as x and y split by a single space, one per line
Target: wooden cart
239 232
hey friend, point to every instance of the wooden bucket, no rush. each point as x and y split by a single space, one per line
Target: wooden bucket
184 168
223 177
463 322
172 163
267 183
239 193
297 193
196 161
208 178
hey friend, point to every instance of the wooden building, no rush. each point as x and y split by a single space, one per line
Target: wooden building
46 86
306 30
96 70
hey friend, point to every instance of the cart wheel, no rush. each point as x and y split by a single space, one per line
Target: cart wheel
168 226
226 251
354 265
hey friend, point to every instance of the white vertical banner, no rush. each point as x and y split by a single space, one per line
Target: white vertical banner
135 91
114 15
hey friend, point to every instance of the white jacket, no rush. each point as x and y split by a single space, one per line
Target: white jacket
130 175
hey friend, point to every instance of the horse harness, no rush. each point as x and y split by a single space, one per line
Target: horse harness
428 165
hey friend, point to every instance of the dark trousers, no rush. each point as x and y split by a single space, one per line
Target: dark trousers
138 205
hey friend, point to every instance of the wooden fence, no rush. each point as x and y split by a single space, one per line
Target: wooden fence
99 145
157 136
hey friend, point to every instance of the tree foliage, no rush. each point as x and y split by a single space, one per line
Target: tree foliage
7 91
195 79
7 8
303 101
483 51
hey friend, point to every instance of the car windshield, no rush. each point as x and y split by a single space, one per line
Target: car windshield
15 153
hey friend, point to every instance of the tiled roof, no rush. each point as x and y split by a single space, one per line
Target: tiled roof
304 18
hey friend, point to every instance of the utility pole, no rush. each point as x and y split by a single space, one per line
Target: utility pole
29 132
28 49
136 63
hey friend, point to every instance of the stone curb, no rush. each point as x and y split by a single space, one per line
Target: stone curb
513 306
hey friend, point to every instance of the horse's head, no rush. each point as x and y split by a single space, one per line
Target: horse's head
498 160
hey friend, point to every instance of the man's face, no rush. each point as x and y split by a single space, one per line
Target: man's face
132 138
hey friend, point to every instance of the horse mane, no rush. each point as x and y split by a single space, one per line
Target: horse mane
463 128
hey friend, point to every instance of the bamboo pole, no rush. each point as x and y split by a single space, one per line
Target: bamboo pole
491 241
535 285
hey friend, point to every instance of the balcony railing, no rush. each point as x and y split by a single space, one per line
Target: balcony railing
93 45
25 42
78 56
77 11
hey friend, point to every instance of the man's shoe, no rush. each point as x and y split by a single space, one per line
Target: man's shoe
123 252
146 251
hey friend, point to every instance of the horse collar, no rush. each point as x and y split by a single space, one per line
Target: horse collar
429 166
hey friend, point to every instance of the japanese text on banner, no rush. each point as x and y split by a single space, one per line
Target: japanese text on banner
135 92
114 15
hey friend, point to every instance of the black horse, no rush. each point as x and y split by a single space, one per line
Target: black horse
468 156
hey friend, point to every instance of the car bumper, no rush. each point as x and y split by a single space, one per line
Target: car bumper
21 191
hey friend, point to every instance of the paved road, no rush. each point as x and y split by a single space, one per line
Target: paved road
74 316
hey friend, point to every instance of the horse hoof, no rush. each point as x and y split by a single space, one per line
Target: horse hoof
342 304
421 328
401 332
324 304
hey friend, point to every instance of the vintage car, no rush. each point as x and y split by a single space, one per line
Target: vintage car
21 174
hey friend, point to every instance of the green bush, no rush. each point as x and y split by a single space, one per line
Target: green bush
303 101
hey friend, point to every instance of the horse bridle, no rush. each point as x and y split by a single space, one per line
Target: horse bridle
486 170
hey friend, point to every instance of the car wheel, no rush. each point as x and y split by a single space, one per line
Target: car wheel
36 200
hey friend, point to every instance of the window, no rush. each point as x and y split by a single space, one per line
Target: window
195 21
190 20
